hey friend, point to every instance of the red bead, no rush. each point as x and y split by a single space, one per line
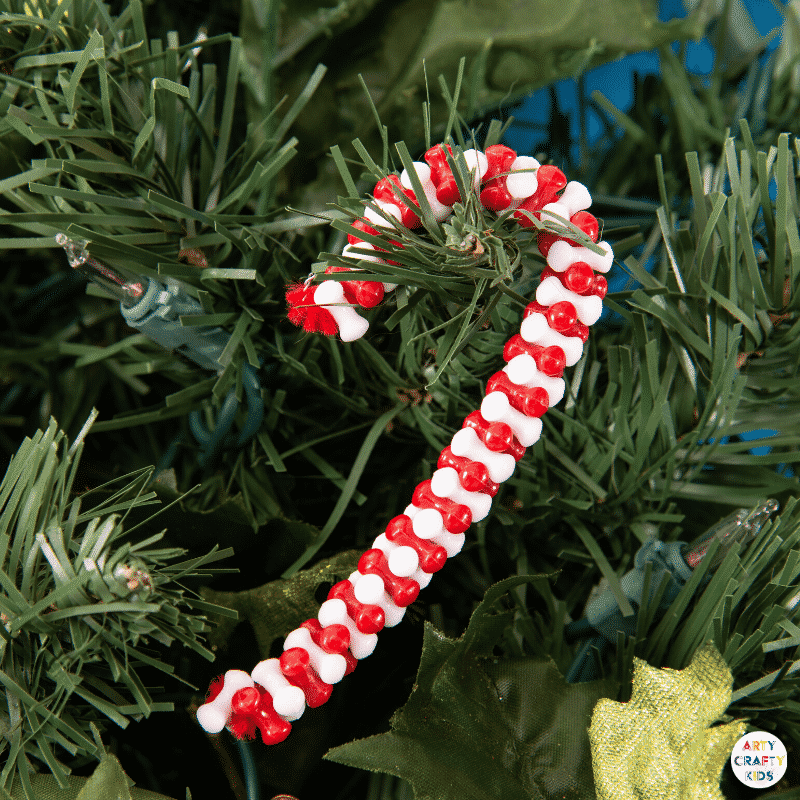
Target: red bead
361 225
437 160
215 687
252 708
561 316
457 518
403 591
532 402
495 195
364 293
587 223
545 240
473 475
549 360
447 192
332 639
497 436
368 618
578 277
296 666
383 191
578 329
599 286
431 556
303 311
550 181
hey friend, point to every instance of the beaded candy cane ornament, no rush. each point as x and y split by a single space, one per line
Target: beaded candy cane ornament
480 456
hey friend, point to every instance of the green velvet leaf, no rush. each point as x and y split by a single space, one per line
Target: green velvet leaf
108 782
477 726
278 607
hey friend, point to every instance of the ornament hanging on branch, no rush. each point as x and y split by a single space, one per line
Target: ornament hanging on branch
480 456
501 181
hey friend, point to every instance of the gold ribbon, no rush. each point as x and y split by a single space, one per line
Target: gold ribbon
659 746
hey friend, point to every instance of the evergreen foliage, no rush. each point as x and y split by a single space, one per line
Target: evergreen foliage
154 153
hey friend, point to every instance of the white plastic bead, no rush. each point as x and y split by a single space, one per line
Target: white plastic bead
377 220
440 211
522 184
452 542
334 612
426 522
499 465
288 701
391 610
551 291
563 255
387 548
477 164
445 483
404 561
496 408
523 371
329 666
213 716
351 325
536 330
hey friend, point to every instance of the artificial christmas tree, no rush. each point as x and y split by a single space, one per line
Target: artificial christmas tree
144 152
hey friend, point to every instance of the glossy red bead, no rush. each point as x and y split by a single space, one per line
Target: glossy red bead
550 181
473 475
549 360
578 277
561 316
332 639
497 436
364 293
296 666
252 708
436 158
360 225
532 402
457 518
495 195
368 618
400 531
587 223
578 329
447 192
383 191
599 286
403 591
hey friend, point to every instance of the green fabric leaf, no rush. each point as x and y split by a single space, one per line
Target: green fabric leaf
278 607
482 727
108 782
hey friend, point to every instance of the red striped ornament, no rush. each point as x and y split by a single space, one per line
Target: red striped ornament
481 455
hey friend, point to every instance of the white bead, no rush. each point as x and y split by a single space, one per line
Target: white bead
523 371
445 483
213 716
377 220
334 612
329 666
404 561
369 589
555 212
522 184
452 542
477 164
563 255
351 325
551 291
387 548
536 330
426 522
391 610
288 701
440 211
496 408
499 465
575 197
